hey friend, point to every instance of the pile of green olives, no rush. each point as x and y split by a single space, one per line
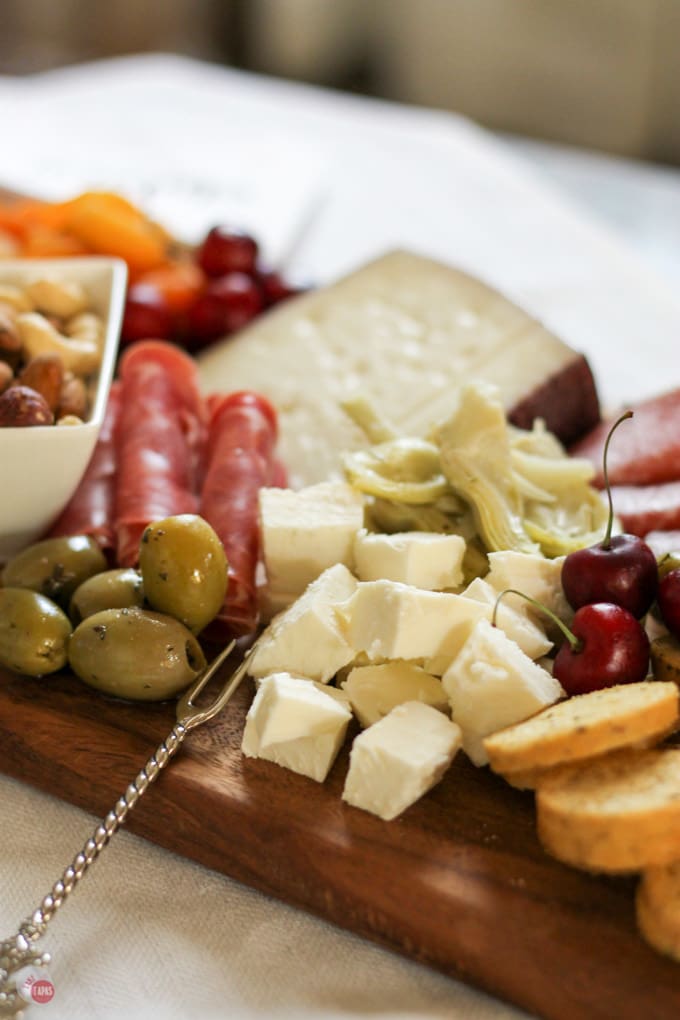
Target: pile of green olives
131 633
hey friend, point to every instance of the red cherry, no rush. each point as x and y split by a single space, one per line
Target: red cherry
275 288
622 569
225 250
668 598
624 572
204 322
609 647
227 304
146 315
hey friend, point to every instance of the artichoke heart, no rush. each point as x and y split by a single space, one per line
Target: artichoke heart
557 476
579 519
500 487
476 459
447 516
406 469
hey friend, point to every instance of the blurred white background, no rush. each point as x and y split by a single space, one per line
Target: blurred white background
601 74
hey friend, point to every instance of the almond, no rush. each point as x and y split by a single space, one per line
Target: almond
73 398
45 374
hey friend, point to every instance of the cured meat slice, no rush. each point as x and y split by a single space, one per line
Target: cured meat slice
242 435
645 508
645 450
91 509
161 433
279 475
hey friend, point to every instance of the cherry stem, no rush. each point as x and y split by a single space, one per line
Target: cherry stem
607 540
575 643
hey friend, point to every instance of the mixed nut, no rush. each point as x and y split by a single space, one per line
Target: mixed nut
50 347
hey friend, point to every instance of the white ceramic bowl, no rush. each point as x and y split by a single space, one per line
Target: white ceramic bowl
41 465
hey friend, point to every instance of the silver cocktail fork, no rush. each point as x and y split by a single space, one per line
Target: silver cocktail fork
19 951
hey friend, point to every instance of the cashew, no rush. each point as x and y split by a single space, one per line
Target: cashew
86 326
64 298
15 297
81 356
70 419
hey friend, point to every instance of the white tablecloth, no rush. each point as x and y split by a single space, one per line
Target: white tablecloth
340 179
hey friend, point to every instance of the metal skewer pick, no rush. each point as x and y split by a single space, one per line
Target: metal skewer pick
18 951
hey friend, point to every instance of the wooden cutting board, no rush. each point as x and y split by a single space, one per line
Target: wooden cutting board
459 882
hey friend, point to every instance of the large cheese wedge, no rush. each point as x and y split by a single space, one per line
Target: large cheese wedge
406 332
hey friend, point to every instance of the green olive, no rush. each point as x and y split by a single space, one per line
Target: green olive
184 569
135 654
55 567
112 589
34 632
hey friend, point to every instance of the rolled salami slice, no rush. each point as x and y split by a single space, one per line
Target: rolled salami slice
91 509
646 508
645 450
161 433
240 460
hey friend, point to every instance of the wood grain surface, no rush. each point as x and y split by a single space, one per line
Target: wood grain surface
459 882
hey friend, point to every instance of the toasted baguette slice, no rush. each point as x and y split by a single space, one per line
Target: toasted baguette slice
657 907
530 779
527 779
619 813
586 726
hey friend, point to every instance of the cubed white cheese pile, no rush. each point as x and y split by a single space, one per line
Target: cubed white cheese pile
297 724
373 628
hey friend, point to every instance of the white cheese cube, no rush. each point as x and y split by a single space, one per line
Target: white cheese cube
296 724
532 574
389 620
514 620
306 638
306 531
400 758
375 690
492 684
420 558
